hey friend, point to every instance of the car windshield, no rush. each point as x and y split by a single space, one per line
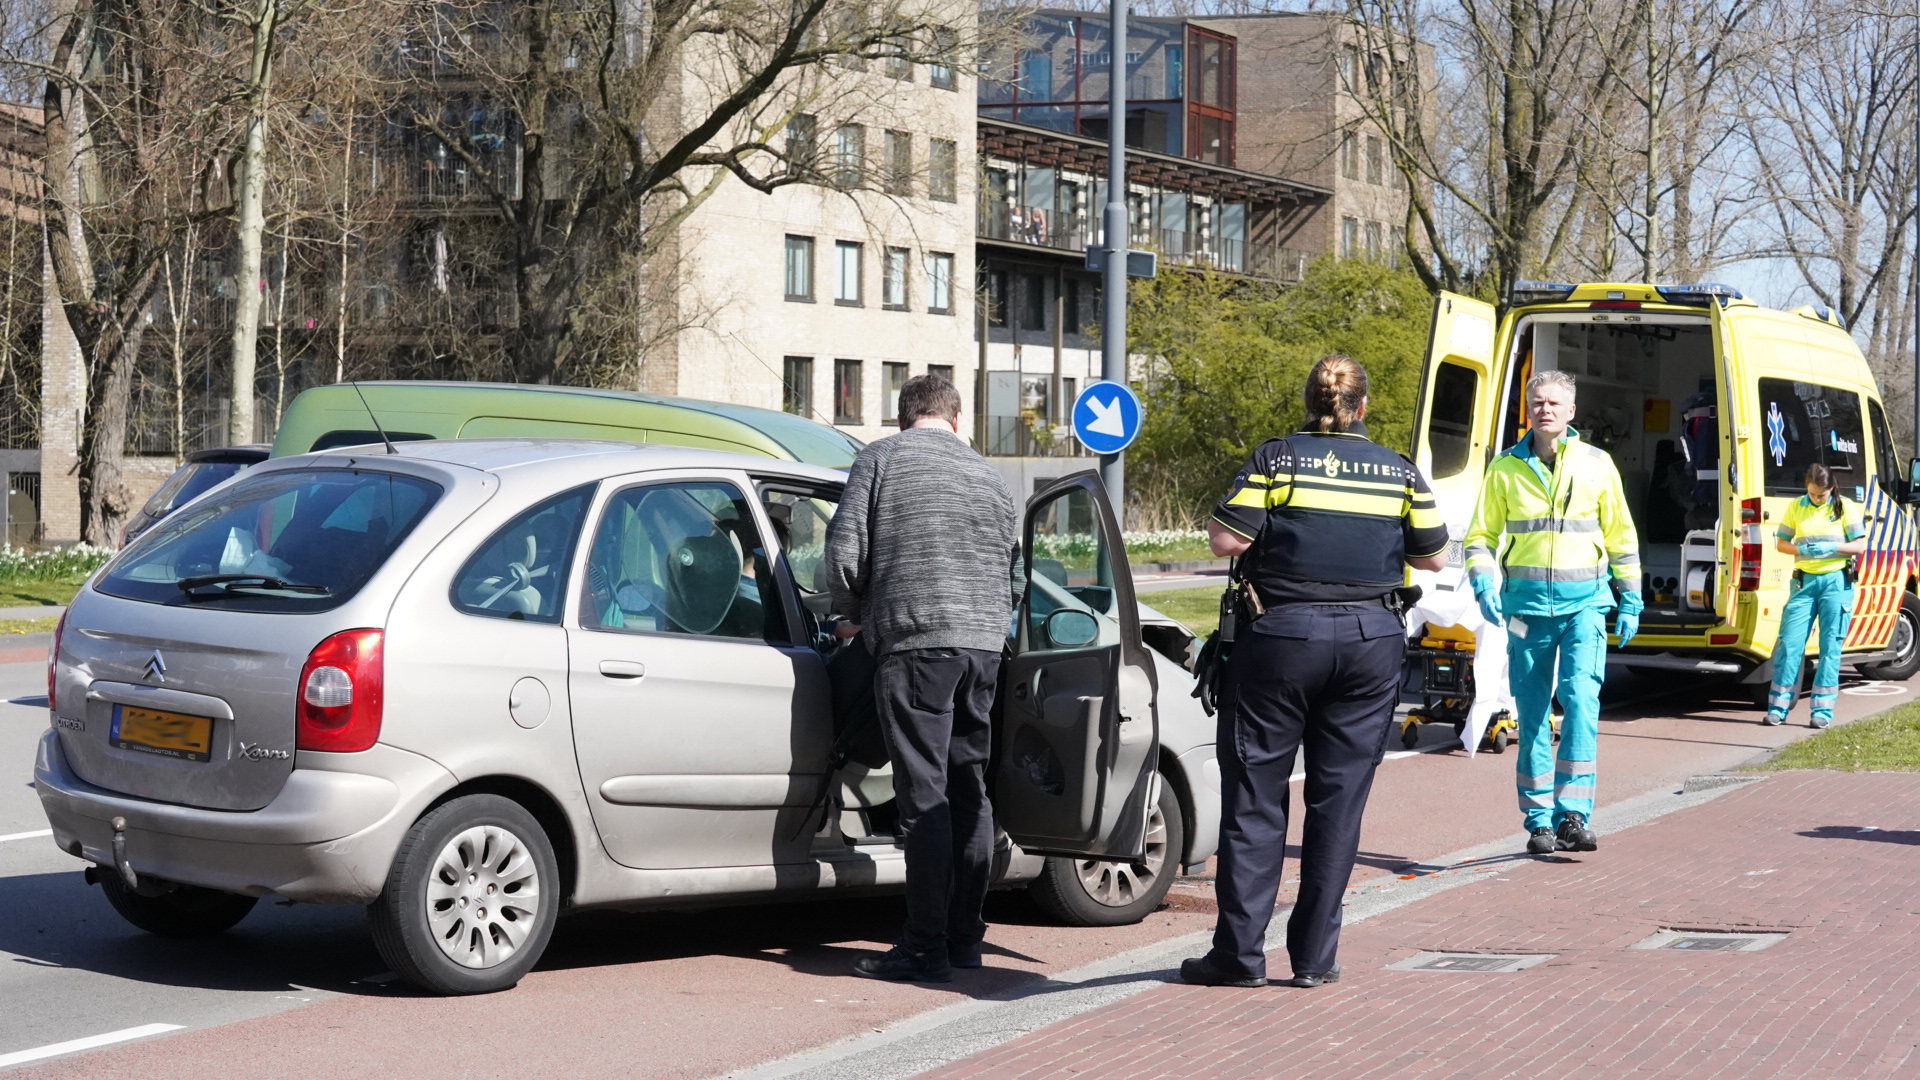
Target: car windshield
191 482
287 541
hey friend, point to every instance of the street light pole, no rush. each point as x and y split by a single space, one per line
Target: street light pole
1113 321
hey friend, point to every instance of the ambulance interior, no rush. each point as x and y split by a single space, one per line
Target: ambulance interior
1648 396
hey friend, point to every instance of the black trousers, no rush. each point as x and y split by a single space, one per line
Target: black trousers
1326 679
935 707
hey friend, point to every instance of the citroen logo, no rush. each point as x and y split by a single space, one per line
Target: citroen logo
156 667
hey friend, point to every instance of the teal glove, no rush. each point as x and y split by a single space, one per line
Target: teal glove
1814 548
1487 591
1626 624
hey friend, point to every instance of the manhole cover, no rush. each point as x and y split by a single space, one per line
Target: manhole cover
1711 940
1483 963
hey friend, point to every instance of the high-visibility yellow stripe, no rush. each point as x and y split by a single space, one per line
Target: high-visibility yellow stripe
1425 517
1251 496
1349 502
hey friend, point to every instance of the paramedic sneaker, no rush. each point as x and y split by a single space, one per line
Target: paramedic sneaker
900 964
1573 834
1774 719
1819 721
1541 842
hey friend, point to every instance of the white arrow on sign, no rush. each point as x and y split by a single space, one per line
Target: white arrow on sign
1106 418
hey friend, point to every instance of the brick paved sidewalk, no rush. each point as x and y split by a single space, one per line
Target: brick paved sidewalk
1833 859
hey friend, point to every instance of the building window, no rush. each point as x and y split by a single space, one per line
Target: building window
1069 393
800 268
892 378
803 143
846 273
1376 160
943 172
1396 243
899 67
1373 240
1033 312
945 42
893 280
1349 237
996 298
940 282
945 371
846 391
899 163
796 390
1350 155
849 155
1070 305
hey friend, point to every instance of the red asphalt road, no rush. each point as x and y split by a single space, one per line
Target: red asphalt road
695 995
1827 858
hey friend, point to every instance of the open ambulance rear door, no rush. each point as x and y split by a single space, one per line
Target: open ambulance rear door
1455 421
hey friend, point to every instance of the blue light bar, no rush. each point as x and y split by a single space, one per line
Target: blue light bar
1541 291
1702 292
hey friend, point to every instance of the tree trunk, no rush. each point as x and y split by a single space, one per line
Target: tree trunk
105 500
252 228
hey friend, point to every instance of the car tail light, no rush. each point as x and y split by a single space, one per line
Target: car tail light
53 657
339 708
1750 545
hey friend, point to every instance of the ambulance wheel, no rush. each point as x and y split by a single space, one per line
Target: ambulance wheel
1499 742
1905 645
1089 892
1410 736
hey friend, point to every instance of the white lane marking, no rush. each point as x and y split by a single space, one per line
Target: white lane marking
21 1057
1875 689
25 835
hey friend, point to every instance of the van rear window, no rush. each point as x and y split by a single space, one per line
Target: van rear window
298 540
1802 423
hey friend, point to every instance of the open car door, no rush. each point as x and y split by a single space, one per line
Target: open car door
1454 425
1076 730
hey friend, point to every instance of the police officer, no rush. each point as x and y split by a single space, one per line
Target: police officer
1553 525
1328 522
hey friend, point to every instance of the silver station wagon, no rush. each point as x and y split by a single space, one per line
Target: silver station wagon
472 684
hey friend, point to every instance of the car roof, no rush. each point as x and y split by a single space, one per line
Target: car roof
587 458
420 409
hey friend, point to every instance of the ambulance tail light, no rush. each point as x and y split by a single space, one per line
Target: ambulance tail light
1750 546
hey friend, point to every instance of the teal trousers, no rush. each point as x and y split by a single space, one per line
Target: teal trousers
1829 599
1567 653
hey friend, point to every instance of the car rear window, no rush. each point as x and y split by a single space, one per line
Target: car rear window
287 541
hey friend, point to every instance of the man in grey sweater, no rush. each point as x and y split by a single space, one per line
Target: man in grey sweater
924 557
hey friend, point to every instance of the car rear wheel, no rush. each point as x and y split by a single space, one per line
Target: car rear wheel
471 899
1904 645
183 911
1090 892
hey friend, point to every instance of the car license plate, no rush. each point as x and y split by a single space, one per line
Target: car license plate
170 734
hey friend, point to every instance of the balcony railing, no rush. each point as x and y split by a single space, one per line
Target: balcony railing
1000 220
1018 436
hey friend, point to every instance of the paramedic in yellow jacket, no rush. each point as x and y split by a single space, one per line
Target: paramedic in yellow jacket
1552 549
1824 531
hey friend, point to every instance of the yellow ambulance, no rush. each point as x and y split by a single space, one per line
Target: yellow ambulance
1712 408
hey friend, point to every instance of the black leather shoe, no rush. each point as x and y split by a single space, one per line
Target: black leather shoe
1541 842
1573 835
1199 971
964 956
900 964
1309 981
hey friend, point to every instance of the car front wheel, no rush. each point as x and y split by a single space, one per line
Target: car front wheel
1091 892
471 898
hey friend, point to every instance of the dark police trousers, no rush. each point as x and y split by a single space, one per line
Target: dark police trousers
1324 678
935 707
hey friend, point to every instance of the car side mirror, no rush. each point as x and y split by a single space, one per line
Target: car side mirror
1070 629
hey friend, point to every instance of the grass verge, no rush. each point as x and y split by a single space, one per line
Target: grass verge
40 593
1889 742
1196 609
15 627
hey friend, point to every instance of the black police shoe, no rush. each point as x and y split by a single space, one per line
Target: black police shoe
1310 980
901 964
1541 842
1573 834
1199 971
964 955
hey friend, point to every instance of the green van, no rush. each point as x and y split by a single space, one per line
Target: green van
329 416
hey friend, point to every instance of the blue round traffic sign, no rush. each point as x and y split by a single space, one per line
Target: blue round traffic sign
1106 417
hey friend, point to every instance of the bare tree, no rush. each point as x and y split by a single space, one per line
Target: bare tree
628 115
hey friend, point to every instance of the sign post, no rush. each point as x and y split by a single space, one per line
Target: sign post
1113 321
